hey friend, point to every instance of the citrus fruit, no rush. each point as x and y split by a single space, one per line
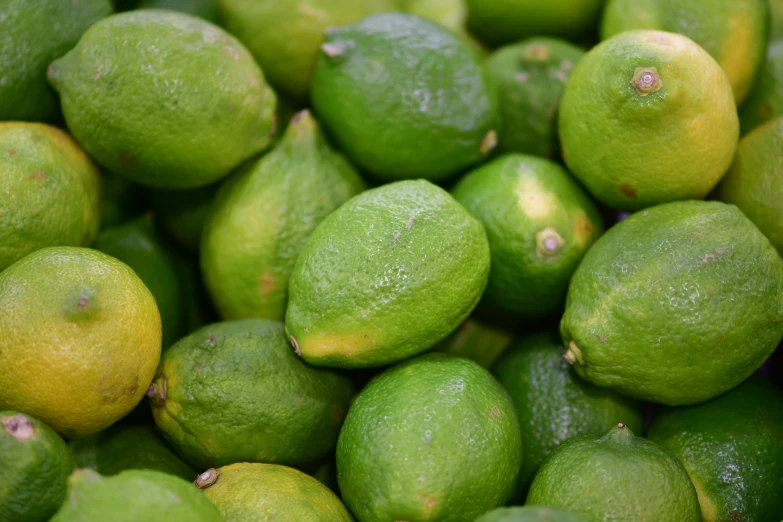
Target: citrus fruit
477 340
122 200
617 476
265 214
530 514
539 224
754 181
405 97
137 244
448 13
732 448
529 77
648 117
234 391
34 34
246 492
79 339
151 496
361 291
776 13
50 190
765 101
284 36
36 466
553 403
118 448
175 103
433 438
182 213
734 32
676 304
206 9
499 22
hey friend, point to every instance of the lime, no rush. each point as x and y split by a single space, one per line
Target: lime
765 101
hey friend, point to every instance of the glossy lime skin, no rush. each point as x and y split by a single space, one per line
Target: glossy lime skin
405 97
732 448
235 392
530 77
676 304
36 466
265 214
617 476
539 223
754 181
554 403
734 32
118 448
765 101
33 34
152 496
434 438
530 514
386 276
175 103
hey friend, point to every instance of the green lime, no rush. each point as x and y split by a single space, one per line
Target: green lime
617 476
530 77
206 9
499 22
448 13
51 191
539 223
235 392
34 34
118 448
765 101
478 340
553 403
732 448
36 466
734 32
134 495
676 304
255 492
79 339
646 118
530 514
776 13
284 36
175 103
405 97
433 438
265 214
137 244
754 181
361 294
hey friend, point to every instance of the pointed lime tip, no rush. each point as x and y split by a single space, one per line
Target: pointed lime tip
295 345
207 478
646 80
573 354
157 391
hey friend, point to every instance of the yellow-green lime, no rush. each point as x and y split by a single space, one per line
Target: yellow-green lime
648 117
435 438
755 181
79 339
776 14
539 223
553 403
284 36
448 13
617 476
36 464
734 32
118 448
51 191
386 276
732 448
499 22
765 101
206 9
530 514
34 34
530 77
265 214
676 304
134 495
478 340
176 102
405 97
246 492
235 392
